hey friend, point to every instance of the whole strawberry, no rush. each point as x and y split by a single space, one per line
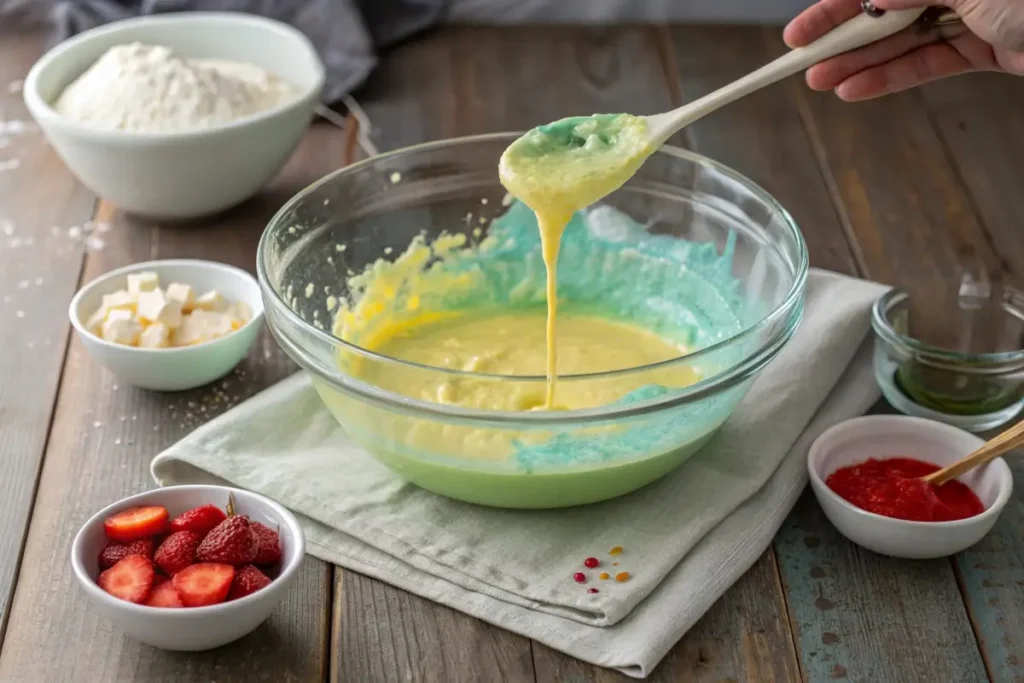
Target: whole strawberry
115 552
269 550
177 552
198 520
230 542
248 580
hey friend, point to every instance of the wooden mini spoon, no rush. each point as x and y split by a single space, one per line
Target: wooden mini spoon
1007 441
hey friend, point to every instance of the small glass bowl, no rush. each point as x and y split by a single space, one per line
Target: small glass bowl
955 355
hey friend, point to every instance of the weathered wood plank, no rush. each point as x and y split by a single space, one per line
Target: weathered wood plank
39 268
975 119
103 438
857 614
385 634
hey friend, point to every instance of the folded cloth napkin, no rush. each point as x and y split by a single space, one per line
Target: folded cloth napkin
346 33
686 538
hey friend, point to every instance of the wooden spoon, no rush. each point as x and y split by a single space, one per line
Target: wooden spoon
1007 441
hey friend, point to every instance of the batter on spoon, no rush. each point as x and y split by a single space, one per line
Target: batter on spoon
561 168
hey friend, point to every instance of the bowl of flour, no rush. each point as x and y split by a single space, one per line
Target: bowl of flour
177 116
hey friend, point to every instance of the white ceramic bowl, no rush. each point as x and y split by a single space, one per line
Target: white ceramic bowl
172 369
890 436
191 628
182 174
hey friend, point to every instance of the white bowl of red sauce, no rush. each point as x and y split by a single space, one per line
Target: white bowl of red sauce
865 473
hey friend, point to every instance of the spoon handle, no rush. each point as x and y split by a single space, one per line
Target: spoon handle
1007 441
857 32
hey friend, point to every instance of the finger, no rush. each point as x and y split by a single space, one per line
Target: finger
830 73
819 19
925 64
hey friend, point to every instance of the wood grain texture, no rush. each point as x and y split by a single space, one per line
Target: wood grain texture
857 614
978 119
385 634
103 438
762 136
864 617
974 117
39 269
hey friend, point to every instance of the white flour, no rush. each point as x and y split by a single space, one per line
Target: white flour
147 88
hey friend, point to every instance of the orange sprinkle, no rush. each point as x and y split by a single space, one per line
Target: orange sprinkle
603 576
616 550
622 576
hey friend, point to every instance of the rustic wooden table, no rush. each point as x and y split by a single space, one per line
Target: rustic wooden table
899 190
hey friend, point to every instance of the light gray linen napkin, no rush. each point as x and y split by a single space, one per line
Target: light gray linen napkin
687 537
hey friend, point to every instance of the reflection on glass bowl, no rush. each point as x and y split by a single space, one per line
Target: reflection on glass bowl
703 234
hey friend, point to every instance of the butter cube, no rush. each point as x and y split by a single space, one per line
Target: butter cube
183 294
142 282
121 328
211 301
120 299
202 326
95 322
156 336
240 311
155 307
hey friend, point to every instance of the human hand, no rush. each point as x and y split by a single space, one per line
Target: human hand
994 41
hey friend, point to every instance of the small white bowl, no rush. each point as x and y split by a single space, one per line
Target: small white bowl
191 628
891 436
180 368
181 175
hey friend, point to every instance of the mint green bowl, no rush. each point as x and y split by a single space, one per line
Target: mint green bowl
699 225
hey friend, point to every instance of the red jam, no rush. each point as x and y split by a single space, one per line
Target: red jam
893 488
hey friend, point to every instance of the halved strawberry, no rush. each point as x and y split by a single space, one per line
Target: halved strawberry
248 580
163 594
135 523
206 583
176 552
130 579
269 544
115 552
199 520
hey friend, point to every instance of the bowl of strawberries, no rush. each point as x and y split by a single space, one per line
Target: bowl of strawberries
188 567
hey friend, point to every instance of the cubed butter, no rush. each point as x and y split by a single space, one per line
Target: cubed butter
183 294
95 321
155 307
241 311
119 300
211 301
121 327
156 336
202 326
142 282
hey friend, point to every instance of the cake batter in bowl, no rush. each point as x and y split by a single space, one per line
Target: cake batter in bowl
413 291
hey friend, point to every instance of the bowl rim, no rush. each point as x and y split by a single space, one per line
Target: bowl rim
884 329
1002 473
233 271
790 305
92 588
43 111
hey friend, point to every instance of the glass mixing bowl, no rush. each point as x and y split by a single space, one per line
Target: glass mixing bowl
369 213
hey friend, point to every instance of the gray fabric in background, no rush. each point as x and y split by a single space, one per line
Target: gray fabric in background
346 33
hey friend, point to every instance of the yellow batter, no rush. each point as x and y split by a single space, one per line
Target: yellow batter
515 345
561 168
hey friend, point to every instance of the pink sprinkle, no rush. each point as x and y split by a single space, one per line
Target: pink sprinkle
593 590
591 562
579 577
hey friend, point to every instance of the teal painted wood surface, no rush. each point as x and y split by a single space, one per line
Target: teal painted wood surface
992 576
858 616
